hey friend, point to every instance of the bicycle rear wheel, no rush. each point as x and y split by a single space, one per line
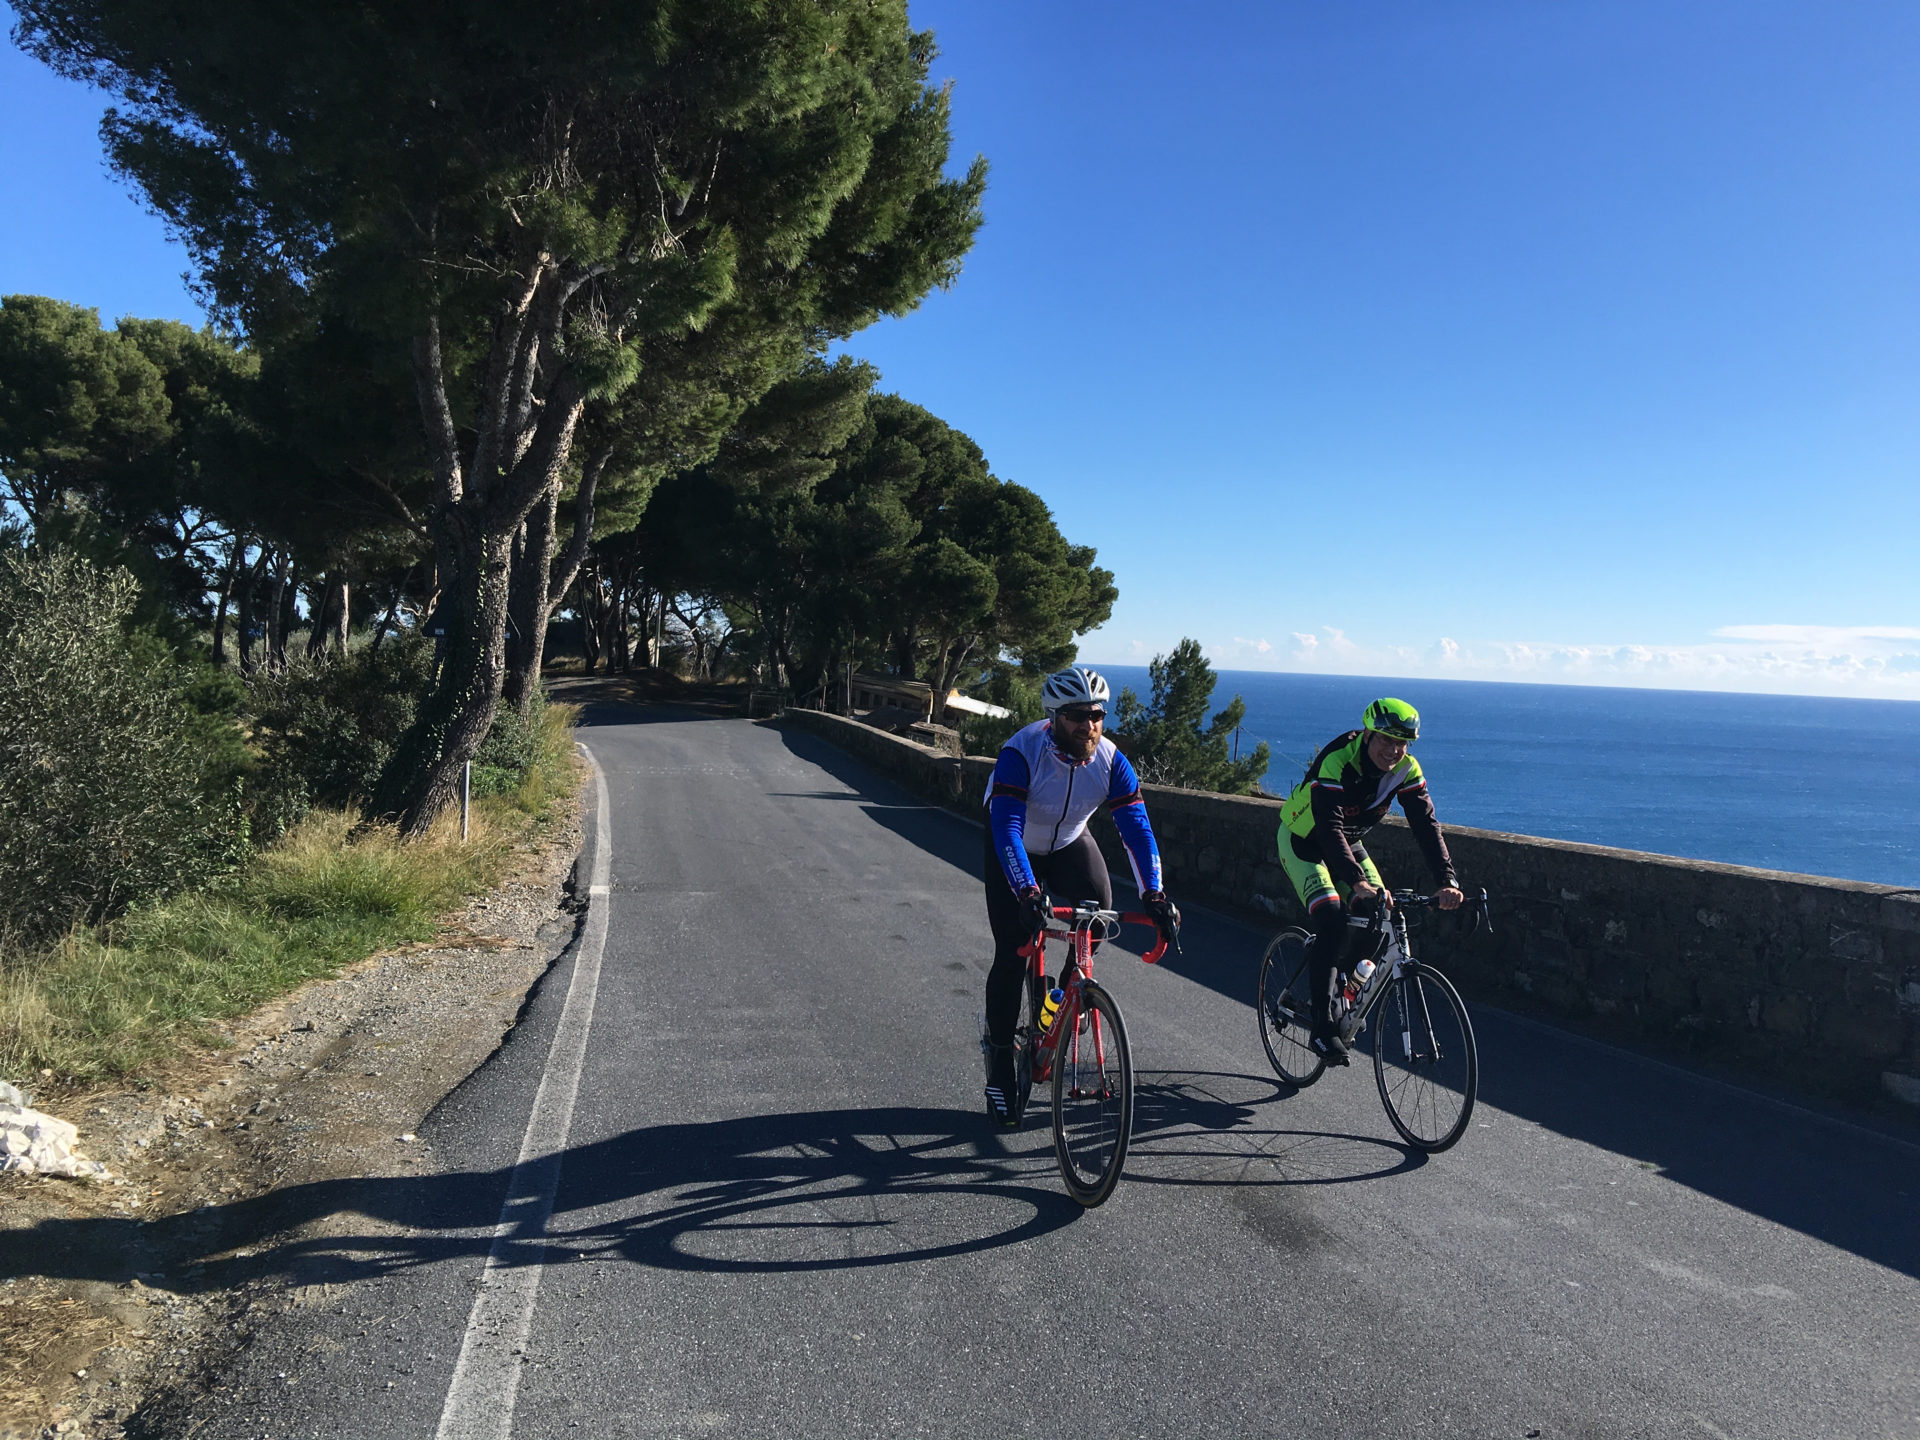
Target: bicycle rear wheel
1424 1058
1092 1097
1286 1009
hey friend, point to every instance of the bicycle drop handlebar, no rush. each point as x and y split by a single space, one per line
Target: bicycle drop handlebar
1085 916
1474 905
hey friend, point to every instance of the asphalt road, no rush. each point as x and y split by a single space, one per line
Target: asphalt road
779 1210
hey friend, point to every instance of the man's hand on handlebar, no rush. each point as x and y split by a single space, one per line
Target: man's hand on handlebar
1364 896
1035 909
1448 897
1165 913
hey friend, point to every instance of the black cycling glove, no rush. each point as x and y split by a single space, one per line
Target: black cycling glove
1166 915
1035 909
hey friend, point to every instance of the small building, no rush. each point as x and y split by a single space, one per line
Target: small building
883 692
908 699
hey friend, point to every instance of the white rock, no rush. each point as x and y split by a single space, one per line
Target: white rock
35 1144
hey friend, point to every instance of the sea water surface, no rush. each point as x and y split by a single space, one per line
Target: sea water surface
1783 782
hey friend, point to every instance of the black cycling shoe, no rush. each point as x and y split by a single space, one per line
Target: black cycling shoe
1003 1097
1328 1045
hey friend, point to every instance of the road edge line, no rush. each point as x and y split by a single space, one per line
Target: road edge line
486 1377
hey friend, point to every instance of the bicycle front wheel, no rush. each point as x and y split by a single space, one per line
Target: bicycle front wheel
1286 1009
1424 1058
1092 1097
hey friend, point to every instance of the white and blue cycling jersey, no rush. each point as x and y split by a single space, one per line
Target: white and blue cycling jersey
1039 801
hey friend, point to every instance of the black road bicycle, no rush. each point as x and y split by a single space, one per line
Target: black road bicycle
1424 1058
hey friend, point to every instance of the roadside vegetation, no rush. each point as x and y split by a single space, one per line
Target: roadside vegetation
104 1000
268 586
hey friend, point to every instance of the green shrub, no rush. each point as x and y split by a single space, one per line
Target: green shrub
326 728
510 749
114 785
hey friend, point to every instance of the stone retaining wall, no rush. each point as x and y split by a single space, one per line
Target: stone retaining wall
1795 979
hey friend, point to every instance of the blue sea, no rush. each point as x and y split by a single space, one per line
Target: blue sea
1819 786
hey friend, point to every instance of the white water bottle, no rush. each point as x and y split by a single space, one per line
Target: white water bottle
1357 983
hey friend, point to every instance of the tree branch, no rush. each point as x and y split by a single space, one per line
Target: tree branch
568 565
443 440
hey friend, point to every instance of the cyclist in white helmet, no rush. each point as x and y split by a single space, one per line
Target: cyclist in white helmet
1049 779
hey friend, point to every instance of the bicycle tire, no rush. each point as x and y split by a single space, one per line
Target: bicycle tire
1092 1097
1425 1060
1026 1046
1285 1007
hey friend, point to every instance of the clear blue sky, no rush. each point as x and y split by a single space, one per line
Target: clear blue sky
1502 340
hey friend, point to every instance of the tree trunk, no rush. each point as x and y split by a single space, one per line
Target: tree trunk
622 644
343 618
319 614
249 599
289 608
386 621
458 711
953 660
527 607
280 612
234 556
587 602
522 441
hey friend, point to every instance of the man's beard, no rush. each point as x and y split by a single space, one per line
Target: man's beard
1075 747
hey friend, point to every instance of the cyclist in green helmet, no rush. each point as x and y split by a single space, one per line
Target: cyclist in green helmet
1351 783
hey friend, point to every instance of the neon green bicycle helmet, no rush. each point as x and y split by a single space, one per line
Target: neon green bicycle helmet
1395 719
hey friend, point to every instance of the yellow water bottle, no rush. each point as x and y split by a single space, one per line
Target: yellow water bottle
1050 1008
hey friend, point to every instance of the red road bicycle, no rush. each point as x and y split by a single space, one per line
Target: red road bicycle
1082 1048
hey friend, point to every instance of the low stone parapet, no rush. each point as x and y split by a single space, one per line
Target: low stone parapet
1795 979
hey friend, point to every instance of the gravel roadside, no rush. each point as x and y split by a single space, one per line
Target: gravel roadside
115 1295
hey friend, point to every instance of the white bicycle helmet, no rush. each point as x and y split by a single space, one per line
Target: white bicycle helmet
1075 685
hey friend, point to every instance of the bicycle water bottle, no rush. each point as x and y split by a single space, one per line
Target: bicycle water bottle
1050 1008
1357 982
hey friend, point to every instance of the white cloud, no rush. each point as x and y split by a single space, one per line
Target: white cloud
1866 660
1818 636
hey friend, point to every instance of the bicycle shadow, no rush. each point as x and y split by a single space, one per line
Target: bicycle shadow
822 1190
1194 1127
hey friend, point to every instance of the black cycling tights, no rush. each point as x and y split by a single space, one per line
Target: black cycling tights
1329 922
1073 873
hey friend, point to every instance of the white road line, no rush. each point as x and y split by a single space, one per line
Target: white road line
487 1375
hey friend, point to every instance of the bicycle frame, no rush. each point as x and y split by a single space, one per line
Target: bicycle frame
1079 935
1394 959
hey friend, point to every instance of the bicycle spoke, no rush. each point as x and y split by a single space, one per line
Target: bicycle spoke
1092 1098
1424 1060
1286 1009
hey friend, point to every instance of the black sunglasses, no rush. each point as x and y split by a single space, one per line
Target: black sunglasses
1082 716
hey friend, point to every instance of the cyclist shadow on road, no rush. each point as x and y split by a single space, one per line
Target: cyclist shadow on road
827 1190
820 1190
1194 1127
